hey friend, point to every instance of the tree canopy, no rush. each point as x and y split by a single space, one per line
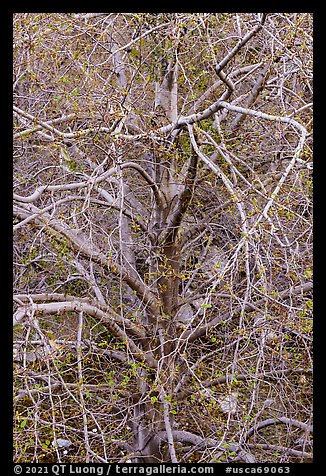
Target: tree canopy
162 237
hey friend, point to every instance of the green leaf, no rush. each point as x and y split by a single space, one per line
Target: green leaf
308 273
64 154
23 423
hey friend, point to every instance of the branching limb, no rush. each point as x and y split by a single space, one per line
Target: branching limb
183 202
207 94
202 442
91 181
169 432
174 221
190 336
81 245
276 421
282 450
252 97
64 187
58 120
225 379
77 306
64 301
151 183
241 43
262 115
72 198
56 132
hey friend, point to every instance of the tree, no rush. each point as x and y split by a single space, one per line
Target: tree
162 237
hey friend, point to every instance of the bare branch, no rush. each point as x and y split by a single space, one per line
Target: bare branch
241 43
77 306
276 421
81 245
192 335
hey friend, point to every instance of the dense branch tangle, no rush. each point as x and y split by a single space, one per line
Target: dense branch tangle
162 236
